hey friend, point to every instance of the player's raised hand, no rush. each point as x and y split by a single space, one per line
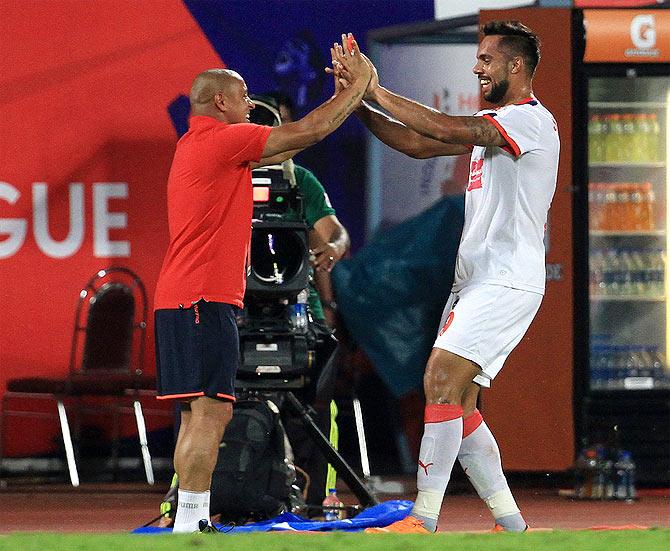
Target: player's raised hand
340 82
350 61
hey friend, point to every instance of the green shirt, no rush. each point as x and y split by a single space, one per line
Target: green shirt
316 205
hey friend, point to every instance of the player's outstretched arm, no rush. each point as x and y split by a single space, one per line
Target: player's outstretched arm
396 135
434 124
326 118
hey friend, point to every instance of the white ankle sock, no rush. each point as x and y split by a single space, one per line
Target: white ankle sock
439 447
480 458
192 507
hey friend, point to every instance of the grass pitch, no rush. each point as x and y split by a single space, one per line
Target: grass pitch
649 540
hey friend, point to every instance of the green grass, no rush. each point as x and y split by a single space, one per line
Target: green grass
649 540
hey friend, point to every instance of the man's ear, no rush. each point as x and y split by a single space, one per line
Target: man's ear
516 64
220 101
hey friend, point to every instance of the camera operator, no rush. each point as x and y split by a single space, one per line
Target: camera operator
329 242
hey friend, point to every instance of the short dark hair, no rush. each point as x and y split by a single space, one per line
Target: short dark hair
518 38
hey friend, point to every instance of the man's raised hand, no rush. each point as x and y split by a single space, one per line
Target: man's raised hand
350 63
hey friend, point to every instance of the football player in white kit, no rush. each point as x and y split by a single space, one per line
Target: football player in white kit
500 268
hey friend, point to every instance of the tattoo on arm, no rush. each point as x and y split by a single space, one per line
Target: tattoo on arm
341 115
483 131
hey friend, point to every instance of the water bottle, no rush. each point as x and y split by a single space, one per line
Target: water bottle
299 312
627 270
586 474
608 468
654 136
625 477
596 265
597 129
332 506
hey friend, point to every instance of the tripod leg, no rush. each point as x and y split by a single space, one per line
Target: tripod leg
362 444
345 471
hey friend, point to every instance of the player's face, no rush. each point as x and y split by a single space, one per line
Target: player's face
492 69
238 104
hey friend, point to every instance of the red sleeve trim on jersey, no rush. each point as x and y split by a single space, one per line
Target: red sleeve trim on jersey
511 146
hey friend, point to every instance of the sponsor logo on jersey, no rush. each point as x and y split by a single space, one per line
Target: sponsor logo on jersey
476 169
447 323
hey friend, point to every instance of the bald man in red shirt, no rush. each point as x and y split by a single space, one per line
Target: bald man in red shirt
202 280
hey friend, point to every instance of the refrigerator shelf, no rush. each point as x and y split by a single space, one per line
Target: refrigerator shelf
627 104
627 298
626 164
627 233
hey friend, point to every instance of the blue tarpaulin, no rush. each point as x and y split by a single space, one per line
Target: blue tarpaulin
392 292
379 515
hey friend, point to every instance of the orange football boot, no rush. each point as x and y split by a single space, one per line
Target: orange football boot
408 525
497 528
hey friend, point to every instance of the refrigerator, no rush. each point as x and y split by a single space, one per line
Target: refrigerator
605 75
622 174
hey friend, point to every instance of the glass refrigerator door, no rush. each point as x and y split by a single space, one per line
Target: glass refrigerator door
628 237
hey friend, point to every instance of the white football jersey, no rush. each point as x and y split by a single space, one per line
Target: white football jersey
508 195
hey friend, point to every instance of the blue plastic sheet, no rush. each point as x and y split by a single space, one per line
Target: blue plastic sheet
378 515
392 292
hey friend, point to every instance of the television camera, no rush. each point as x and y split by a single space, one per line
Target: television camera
277 345
278 342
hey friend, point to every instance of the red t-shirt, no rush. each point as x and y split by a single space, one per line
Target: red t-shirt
210 205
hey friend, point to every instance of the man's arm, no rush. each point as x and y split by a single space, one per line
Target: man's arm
396 135
276 159
332 244
437 125
326 118
329 238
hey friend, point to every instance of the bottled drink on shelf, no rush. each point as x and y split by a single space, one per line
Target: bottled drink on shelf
659 271
614 140
614 273
626 149
627 267
636 202
638 145
647 207
332 506
597 129
609 207
639 275
596 203
654 137
596 266
621 215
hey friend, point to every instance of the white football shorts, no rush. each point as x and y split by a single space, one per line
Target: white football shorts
483 323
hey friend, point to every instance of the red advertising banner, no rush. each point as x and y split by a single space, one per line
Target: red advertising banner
85 149
627 36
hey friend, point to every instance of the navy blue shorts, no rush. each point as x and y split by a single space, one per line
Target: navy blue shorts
197 351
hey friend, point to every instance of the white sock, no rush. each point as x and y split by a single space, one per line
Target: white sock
192 507
439 447
480 458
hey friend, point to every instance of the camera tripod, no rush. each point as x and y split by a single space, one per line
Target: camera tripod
351 479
